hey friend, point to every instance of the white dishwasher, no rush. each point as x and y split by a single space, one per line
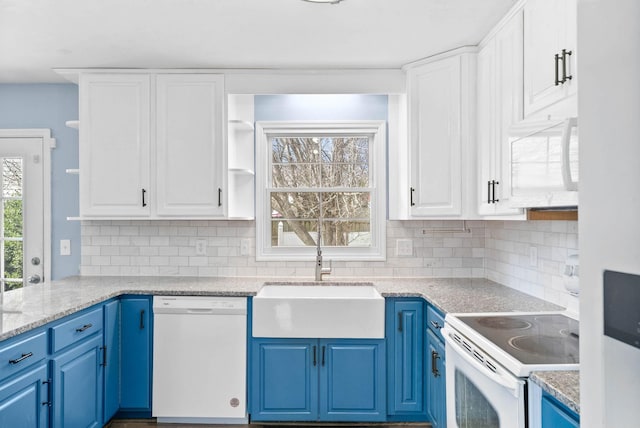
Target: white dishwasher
199 359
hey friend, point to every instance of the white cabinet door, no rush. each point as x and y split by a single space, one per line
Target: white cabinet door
550 27
434 92
189 145
499 107
486 126
114 145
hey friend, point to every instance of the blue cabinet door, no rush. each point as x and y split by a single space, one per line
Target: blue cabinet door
112 359
352 380
22 397
78 385
556 415
284 380
136 355
405 333
436 383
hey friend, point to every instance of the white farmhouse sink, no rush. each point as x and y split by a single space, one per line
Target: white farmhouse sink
318 310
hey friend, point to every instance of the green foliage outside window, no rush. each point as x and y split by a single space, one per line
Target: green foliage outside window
13 249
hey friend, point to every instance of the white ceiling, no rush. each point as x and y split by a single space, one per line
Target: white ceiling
39 35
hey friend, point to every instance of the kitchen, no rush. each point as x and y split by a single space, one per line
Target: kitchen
608 391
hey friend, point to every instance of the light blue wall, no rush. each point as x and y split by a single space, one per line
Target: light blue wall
321 107
50 106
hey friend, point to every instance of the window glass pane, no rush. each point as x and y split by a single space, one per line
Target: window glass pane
341 205
295 205
346 233
345 175
295 175
13 218
294 233
13 259
295 150
473 409
11 177
345 149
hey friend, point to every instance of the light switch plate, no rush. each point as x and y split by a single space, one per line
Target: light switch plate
65 247
245 245
201 247
404 247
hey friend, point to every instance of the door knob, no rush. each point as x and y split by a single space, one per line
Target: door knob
35 261
34 279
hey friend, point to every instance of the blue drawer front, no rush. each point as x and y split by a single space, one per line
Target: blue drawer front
435 321
24 352
76 329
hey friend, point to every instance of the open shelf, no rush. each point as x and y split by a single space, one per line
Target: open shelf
241 125
242 171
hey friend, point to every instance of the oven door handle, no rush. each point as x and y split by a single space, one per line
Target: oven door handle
511 383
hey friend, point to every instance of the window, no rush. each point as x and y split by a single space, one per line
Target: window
322 181
11 241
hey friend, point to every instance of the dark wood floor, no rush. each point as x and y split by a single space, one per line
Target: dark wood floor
151 423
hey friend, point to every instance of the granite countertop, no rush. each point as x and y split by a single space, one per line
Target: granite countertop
30 307
563 385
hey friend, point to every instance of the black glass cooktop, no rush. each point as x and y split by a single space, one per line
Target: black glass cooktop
531 338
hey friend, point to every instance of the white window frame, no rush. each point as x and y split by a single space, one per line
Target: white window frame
376 131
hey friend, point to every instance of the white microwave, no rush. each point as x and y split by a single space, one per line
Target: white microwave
544 164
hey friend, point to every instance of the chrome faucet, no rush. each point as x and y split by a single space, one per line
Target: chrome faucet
319 269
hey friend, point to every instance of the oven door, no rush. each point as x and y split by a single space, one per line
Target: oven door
477 396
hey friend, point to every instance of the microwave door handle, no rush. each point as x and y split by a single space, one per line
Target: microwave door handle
569 183
512 384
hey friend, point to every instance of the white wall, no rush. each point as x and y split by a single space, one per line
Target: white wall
609 106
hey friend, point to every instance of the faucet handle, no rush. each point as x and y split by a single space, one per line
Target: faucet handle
327 270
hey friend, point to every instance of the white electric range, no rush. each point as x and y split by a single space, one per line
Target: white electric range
490 356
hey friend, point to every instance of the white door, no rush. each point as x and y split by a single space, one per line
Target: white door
22 218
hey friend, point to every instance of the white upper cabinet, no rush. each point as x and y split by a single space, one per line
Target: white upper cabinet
440 98
550 80
151 145
500 106
114 145
189 132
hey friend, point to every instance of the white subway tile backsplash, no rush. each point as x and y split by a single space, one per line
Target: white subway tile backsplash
498 250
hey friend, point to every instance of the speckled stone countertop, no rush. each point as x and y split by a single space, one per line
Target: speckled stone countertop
34 306
563 385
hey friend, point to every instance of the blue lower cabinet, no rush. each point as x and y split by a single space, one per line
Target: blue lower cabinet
112 359
352 386
556 415
24 399
284 380
317 380
405 338
136 356
78 385
436 383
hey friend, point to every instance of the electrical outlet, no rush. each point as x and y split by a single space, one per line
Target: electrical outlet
65 247
245 245
533 256
201 247
404 247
